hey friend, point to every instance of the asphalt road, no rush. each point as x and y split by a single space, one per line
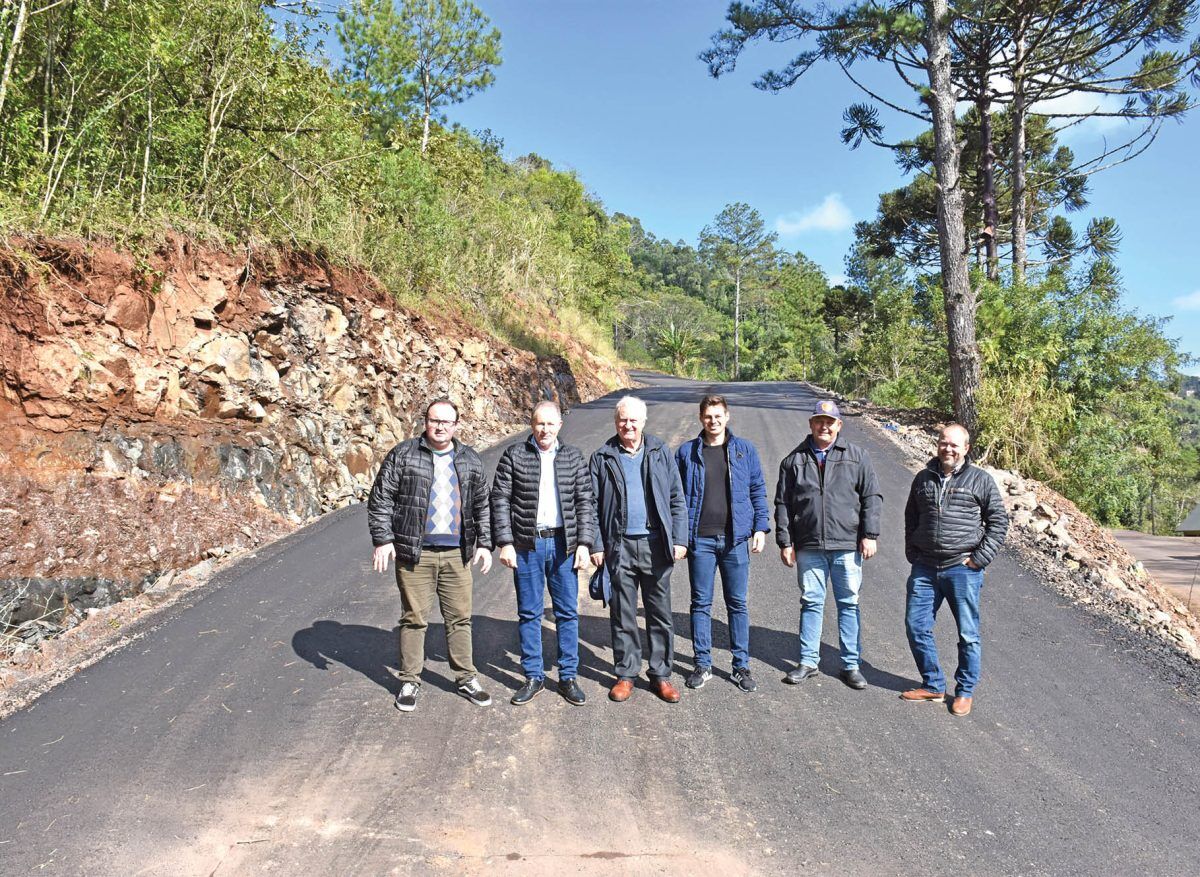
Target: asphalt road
252 731
1174 561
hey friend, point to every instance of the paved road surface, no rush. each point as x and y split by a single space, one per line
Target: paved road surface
252 731
1173 560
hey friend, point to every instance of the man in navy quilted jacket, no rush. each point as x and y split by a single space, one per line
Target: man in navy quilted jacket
954 523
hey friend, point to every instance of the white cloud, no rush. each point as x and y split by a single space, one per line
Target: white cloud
832 214
1189 302
1072 103
1079 102
838 279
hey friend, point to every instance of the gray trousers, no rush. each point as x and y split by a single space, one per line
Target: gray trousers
641 563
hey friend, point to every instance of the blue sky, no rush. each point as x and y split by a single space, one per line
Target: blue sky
613 90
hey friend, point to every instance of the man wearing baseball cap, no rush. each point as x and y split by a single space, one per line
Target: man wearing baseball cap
827 511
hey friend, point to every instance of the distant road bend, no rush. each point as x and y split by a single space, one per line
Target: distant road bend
252 730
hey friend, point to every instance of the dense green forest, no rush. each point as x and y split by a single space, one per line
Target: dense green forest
122 119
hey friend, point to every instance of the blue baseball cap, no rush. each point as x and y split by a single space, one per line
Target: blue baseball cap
826 408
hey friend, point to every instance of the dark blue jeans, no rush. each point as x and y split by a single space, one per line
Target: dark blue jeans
548 563
927 589
705 556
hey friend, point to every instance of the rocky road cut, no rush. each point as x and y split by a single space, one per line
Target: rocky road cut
251 730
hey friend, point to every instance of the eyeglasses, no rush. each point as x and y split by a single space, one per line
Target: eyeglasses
445 423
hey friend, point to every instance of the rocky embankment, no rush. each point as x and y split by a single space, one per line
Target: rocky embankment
1080 559
159 410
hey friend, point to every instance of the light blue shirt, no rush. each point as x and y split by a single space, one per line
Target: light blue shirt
636 522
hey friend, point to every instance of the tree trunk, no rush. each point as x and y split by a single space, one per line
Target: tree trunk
13 48
987 173
956 284
428 111
1019 252
149 139
737 323
47 88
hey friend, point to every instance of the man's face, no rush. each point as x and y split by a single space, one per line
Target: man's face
440 423
714 419
545 425
630 423
953 445
824 429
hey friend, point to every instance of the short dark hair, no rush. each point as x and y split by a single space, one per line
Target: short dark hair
441 400
712 400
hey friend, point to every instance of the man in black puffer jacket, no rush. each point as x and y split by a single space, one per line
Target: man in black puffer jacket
429 511
954 523
544 524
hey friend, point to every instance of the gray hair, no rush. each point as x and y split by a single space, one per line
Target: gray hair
630 402
545 405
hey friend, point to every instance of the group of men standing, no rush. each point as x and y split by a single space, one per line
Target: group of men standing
635 509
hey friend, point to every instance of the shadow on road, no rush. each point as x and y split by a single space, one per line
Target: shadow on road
780 649
372 651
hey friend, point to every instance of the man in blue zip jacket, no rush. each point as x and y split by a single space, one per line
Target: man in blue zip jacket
642 524
827 510
726 496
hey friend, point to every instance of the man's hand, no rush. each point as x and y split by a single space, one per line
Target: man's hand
788 555
581 557
597 558
384 554
483 557
970 564
758 542
867 548
680 552
508 556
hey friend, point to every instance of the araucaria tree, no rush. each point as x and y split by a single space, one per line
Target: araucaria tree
737 243
415 58
1015 55
913 39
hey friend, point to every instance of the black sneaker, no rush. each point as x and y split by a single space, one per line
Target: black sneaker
854 679
527 691
699 676
571 692
473 692
742 678
804 671
406 699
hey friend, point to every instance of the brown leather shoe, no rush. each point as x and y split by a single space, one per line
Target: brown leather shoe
621 691
960 706
664 689
924 695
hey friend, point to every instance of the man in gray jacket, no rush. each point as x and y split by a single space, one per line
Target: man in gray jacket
643 530
827 510
544 524
954 523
